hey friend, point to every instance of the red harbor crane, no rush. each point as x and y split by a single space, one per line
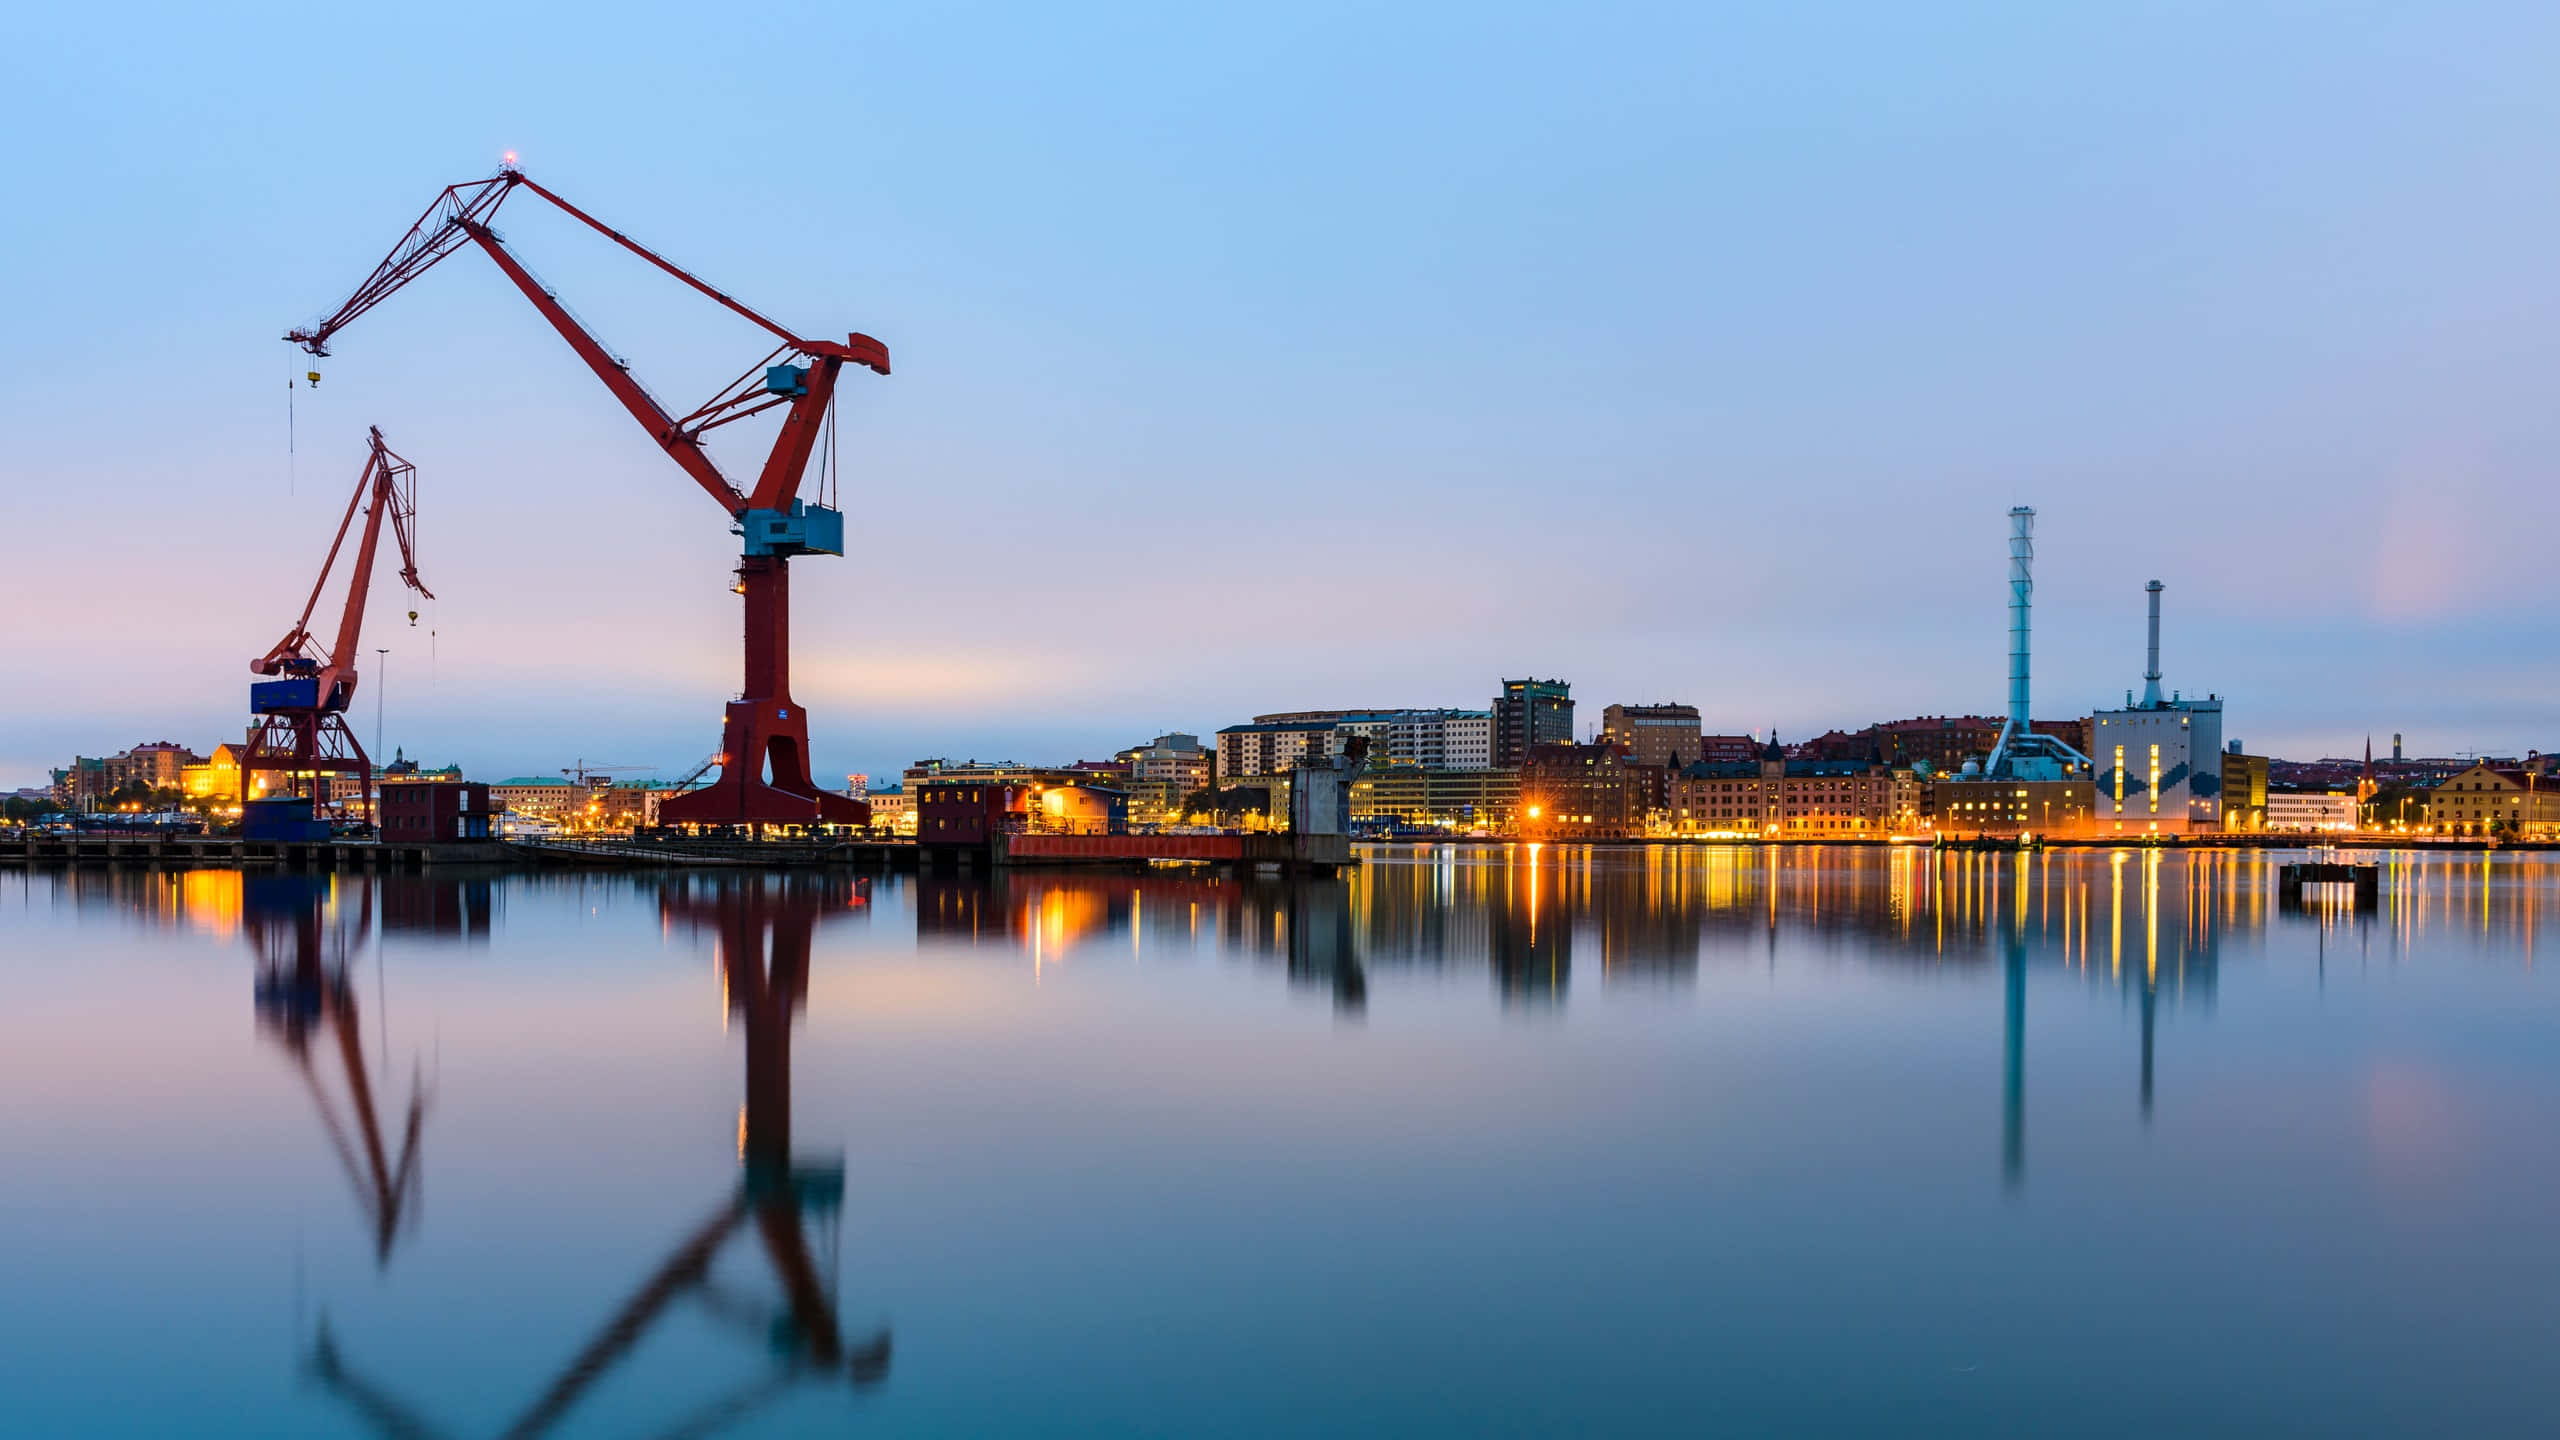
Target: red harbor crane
764 745
302 717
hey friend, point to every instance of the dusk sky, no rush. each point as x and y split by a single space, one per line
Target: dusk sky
1304 357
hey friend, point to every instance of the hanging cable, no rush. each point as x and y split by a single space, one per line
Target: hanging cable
291 483
827 465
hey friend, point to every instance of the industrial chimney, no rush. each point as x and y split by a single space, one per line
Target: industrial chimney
2151 672
2022 590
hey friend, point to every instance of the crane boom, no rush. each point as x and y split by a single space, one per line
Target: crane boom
461 215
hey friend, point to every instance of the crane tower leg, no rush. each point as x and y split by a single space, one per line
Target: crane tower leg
764 740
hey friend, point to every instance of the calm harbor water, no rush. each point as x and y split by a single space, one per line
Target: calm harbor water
1482 1142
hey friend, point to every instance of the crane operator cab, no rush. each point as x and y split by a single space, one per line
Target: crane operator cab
805 530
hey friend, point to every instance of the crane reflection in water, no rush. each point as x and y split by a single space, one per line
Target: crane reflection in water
305 945
763 927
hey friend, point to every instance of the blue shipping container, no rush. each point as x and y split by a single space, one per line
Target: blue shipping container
265 695
287 820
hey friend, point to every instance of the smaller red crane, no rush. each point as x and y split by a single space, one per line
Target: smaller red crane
301 727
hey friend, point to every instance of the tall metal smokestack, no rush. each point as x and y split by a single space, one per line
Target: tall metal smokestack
2022 590
2151 672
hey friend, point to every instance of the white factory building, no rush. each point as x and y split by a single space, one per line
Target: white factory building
2159 760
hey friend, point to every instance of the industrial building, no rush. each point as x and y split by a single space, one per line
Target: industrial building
2159 759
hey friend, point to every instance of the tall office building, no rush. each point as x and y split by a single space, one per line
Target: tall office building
1530 713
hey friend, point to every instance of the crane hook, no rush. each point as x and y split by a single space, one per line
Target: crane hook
313 376
413 619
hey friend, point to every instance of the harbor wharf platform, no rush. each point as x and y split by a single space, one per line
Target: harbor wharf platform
54 848
1290 854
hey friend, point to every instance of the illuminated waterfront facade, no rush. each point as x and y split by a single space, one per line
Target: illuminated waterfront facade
2159 769
1777 798
2501 800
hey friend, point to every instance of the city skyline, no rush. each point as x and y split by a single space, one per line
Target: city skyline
1704 378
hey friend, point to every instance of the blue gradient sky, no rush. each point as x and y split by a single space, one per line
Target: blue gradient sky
1310 356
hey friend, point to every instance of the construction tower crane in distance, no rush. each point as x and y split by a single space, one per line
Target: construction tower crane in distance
764 743
302 726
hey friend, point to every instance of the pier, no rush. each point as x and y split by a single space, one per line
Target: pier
2366 880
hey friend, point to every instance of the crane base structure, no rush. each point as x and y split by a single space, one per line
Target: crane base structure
764 738
307 746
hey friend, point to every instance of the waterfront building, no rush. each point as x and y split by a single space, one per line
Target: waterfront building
960 810
217 777
2506 800
2000 809
1774 797
1456 800
893 810
1584 792
2244 789
1527 714
1664 736
2311 811
435 812
542 798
